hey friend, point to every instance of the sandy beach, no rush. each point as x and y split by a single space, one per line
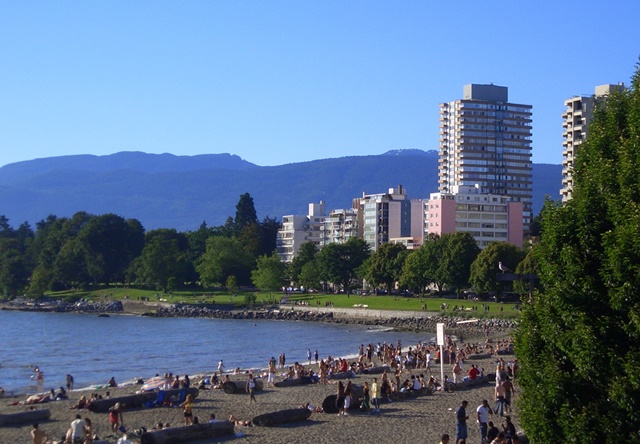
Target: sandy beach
410 419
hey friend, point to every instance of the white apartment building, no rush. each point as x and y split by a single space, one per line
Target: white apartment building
485 140
299 229
575 123
340 226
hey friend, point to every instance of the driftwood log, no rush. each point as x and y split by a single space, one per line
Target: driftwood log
342 375
478 356
22 417
137 400
189 433
281 417
468 383
290 382
231 387
376 370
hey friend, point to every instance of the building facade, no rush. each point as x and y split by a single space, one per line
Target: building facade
487 217
298 229
386 216
485 141
575 123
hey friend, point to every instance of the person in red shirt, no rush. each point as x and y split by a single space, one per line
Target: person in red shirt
473 372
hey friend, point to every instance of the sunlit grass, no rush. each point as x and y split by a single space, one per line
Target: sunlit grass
226 299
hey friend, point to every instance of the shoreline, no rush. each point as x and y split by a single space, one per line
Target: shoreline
421 418
390 319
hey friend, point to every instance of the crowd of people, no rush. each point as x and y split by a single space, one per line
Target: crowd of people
401 371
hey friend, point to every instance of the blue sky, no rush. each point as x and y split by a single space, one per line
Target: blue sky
290 81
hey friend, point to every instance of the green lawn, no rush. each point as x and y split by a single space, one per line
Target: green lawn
465 308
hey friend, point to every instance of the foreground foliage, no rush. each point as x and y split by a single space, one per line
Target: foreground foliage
579 342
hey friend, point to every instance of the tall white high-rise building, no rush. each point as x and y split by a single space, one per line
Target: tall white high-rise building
575 123
485 141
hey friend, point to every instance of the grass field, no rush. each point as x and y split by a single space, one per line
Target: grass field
375 302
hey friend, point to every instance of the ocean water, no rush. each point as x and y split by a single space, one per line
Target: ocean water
127 347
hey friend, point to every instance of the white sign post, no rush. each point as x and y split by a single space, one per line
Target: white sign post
440 342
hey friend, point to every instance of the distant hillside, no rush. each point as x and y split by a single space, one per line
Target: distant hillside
167 191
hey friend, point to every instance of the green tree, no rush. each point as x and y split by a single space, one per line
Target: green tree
384 266
528 266
310 277
579 341
434 251
306 253
340 263
458 253
14 272
164 258
245 213
224 257
484 270
413 271
270 273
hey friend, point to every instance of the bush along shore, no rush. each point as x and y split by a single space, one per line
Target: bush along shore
408 323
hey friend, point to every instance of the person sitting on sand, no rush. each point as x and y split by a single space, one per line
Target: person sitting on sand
81 404
212 418
112 382
88 431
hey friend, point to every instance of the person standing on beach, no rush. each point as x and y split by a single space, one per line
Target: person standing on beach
115 418
483 412
340 398
309 355
187 407
315 355
251 388
365 397
461 423
69 382
375 395
272 373
220 367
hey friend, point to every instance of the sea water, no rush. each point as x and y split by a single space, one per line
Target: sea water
93 349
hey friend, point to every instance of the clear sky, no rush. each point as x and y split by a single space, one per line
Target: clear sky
279 82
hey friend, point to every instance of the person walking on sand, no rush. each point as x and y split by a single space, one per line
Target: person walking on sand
115 418
483 412
251 388
461 423
187 407
220 367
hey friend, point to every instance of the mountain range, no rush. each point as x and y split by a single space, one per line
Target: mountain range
181 192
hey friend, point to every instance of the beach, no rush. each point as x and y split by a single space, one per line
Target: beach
409 419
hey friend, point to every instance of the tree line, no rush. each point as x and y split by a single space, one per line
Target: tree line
86 250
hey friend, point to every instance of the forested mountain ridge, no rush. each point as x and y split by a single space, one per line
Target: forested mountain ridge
167 191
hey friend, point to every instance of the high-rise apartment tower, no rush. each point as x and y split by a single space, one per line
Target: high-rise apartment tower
485 142
575 123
